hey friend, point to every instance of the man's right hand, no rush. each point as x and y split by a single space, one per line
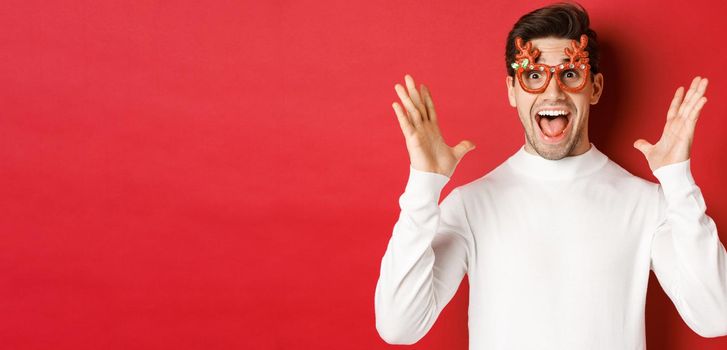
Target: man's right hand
427 149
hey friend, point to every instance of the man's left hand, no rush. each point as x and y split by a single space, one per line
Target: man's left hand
676 140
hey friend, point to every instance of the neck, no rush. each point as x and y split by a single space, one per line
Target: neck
566 168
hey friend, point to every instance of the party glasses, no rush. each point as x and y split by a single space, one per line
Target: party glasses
535 77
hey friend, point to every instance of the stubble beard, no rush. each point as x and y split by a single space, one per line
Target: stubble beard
554 152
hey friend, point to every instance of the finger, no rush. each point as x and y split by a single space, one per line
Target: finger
431 112
416 117
462 148
674 107
643 146
688 97
406 127
415 97
694 113
698 94
703 86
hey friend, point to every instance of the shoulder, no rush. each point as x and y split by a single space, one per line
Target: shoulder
627 183
616 172
499 180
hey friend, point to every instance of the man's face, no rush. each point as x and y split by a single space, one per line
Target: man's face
562 142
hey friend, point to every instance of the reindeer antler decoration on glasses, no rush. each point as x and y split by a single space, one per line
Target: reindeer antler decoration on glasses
535 77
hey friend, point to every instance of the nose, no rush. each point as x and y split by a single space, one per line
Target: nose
553 90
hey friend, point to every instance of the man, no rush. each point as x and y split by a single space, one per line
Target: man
557 241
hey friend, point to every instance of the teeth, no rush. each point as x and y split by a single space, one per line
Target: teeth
552 113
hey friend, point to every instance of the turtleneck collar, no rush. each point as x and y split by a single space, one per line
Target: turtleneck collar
562 169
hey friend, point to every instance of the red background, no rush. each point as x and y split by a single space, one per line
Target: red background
217 175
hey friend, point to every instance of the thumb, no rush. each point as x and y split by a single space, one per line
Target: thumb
643 146
462 148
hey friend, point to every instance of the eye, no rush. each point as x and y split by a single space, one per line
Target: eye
570 74
533 75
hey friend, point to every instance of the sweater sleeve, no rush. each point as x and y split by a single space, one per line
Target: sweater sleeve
424 262
687 256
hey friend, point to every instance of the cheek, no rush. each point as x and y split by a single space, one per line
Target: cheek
582 103
525 117
524 103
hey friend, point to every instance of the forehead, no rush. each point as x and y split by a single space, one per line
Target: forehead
552 49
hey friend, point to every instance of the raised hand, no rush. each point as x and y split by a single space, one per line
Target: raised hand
676 140
427 149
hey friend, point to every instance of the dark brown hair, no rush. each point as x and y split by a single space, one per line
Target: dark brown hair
561 20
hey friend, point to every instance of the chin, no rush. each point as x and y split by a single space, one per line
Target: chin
555 154
554 151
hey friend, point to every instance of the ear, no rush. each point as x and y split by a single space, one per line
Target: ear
597 88
510 90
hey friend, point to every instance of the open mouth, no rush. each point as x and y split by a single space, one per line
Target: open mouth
554 124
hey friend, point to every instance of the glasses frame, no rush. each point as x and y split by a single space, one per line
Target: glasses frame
526 60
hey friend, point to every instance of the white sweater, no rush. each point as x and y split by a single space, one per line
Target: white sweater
557 254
